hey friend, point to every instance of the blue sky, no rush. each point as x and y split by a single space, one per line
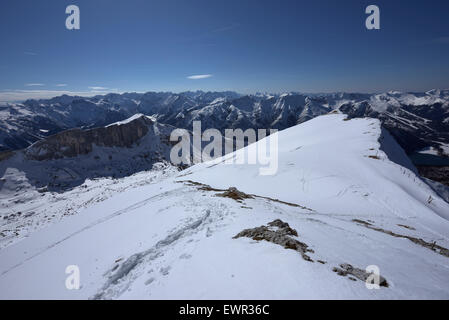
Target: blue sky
244 45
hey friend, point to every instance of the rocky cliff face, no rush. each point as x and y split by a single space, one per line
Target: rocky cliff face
74 142
67 159
416 120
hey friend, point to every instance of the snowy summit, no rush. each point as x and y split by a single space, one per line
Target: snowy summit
345 197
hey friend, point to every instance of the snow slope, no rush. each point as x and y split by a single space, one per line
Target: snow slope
174 238
25 209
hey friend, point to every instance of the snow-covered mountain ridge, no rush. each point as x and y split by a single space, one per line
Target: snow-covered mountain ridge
68 158
347 191
416 120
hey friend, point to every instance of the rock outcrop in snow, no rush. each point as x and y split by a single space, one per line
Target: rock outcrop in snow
67 159
338 196
76 142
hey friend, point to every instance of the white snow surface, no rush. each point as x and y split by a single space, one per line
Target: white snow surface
130 119
168 239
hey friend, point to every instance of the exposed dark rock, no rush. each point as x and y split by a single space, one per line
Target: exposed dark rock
406 227
4 155
235 194
280 233
429 245
347 269
361 222
439 174
74 142
65 160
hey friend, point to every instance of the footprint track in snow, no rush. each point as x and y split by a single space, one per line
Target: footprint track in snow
120 278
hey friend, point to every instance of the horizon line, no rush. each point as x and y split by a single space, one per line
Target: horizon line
51 94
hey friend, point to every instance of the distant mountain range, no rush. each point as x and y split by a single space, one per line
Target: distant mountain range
417 120
345 199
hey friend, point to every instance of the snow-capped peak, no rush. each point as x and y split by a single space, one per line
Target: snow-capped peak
345 198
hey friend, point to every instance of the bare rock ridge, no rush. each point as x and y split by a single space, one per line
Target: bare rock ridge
65 160
74 142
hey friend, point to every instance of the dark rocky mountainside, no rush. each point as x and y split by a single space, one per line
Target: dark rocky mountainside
75 142
416 120
67 159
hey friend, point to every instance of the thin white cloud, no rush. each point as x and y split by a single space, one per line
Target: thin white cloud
226 28
98 88
102 90
211 33
61 85
199 76
34 84
30 53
